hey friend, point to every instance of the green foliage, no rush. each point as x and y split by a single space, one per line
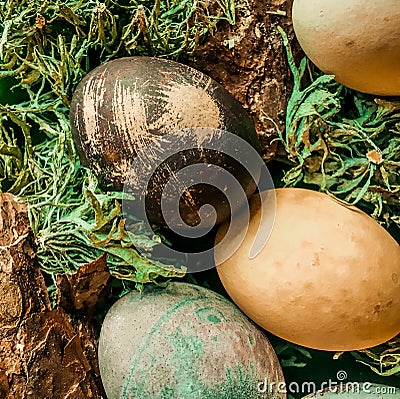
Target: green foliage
344 143
59 42
291 355
46 48
383 360
74 222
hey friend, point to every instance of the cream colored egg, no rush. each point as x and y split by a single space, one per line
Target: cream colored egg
327 278
357 41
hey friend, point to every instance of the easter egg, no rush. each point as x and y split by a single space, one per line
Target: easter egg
138 109
357 41
327 278
184 342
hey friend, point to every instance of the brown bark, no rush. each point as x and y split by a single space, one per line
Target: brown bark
86 291
43 354
255 69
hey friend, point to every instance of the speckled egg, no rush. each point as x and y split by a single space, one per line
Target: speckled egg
184 342
327 278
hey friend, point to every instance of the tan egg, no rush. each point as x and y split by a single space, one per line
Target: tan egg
327 278
357 41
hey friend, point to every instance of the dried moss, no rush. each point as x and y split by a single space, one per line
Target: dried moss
383 360
45 50
343 142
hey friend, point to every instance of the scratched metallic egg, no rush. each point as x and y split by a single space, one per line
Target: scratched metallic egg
121 108
183 342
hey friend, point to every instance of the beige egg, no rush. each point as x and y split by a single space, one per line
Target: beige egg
327 278
357 41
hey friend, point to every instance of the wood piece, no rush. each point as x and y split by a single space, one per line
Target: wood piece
43 354
250 61
85 291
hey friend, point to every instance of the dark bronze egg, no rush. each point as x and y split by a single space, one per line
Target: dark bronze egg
121 108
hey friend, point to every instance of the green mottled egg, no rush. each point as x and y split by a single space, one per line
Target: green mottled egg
184 342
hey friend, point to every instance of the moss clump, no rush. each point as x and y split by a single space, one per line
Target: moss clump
343 142
45 51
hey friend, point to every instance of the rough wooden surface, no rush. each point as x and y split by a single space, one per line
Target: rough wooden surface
250 61
43 354
86 291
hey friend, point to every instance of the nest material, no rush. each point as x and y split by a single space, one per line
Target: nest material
47 49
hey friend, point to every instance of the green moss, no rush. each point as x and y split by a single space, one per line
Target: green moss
343 142
46 48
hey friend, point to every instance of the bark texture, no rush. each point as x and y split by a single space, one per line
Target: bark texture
250 61
43 354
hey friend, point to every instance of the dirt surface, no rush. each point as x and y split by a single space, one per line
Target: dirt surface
43 354
249 60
